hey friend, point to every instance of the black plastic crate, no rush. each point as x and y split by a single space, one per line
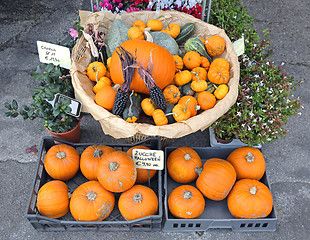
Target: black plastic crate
115 222
216 213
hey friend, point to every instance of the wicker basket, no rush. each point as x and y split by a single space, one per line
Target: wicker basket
132 132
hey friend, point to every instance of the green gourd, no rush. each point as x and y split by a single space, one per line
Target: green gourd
166 41
187 89
168 111
186 31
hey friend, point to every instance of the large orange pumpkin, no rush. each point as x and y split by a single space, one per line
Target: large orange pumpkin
182 163
62 162
216 179
139 201
90 159
250 199
186 201
163 64
248 162
117 171
91 202
142 174
53 199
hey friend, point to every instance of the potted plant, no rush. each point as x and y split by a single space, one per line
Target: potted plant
54 117
265 100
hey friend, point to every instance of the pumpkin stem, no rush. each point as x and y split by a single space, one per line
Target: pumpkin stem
253 190
185 109
168 114
61 155
130 113
187 156
97 76
116 87
250 157
94 68
113 166
198 170
137 198
187 195
148 35
97 153
91 196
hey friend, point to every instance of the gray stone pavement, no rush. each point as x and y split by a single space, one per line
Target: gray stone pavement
22 23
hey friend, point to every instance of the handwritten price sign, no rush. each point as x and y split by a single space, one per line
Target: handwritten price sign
148 159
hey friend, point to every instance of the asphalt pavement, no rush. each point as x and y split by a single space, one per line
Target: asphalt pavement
22 23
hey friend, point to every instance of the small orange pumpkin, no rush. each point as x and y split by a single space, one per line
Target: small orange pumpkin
173 30
205 63
53 199
148 106
221 91
181 112
182 77
154 24
95 71
91 202
199 73
248 162
221 62
192 104
137 202
135 33
116 171
172 94
191 60
216 179
106 95
218 74
206 100
178 63
159 117
182 163
199 85
102 81
142 174
140 24
62 162
186 202
90 159
215 45
250 199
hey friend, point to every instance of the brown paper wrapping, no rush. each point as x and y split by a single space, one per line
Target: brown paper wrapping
115 125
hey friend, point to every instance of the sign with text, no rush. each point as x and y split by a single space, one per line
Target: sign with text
56 54
239 46
148 159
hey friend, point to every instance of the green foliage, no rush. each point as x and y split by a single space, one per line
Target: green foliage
265 100
51 80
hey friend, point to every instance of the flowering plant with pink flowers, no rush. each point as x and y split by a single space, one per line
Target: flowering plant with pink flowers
192 7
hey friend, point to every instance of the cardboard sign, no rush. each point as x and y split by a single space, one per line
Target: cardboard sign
239 46
148 159
56 54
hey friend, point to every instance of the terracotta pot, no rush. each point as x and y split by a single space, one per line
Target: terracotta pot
223 141
73 135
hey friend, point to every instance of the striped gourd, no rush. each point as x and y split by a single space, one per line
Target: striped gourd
185 32
195 44
211 87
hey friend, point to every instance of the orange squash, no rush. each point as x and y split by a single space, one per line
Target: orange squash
140 24
173 30
137 202
62 162
182 163
178 63
206 100
155 24
135 33
163 64
191 60
192 104
216 179
53 199
106 95
91 202
215 45
186 202
172 94
116 171
95 71
90 159
142 174
248 162
218 74
250 199
182 77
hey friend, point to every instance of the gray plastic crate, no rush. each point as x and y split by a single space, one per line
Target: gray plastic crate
115 222
216 213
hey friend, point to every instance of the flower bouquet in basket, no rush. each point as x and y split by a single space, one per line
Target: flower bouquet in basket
161 74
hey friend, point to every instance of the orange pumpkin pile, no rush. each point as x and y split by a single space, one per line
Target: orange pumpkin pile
108 171
236 178
178 76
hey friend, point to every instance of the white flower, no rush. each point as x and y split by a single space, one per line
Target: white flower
243 124
299 113
270 121
282 63
267 63
238 114
254 45
256 76
249 129
269 139
254 120
251 114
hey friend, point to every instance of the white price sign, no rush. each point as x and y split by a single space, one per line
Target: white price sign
148 159
56 54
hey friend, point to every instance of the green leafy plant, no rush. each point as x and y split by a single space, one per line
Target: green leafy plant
265 101
51 80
